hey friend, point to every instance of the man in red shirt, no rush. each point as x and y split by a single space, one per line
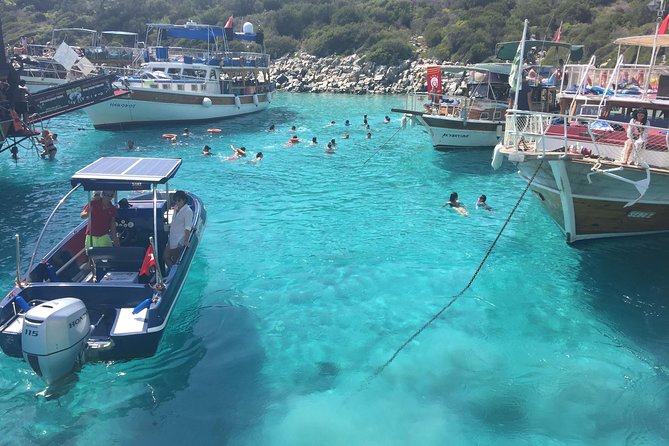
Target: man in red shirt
102 221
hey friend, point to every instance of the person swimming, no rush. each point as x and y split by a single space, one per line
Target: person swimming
456 205
240 152
481 203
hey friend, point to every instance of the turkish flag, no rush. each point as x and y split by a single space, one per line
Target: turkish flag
229 23
664 25
434 79
149 261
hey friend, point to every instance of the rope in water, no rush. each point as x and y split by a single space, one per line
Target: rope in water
381 146
457 296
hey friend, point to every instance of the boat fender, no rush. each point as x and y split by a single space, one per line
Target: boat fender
169 135
144 304
412 121
255 99
269 96
214 130
238 102
206 102
497 157
403 122
22 303
499 131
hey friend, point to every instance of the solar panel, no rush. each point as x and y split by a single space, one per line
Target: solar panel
122 173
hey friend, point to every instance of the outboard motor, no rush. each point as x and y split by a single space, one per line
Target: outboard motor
54 337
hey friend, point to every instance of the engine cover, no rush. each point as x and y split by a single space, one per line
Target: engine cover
54 337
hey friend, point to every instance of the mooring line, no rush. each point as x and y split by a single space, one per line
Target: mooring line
381 146
457 296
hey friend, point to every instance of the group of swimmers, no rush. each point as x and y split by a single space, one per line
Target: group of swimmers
455 204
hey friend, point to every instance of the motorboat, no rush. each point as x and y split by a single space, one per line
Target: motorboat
575 160
79 304
470 111
182 85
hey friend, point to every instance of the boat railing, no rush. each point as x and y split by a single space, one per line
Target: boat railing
223 59
544 133
629 80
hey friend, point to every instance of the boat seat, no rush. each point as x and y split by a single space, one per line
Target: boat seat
122 258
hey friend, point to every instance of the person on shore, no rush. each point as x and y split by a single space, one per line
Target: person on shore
206 151
239 152
481 203
456 205
637 135
101 214
48 146
180 229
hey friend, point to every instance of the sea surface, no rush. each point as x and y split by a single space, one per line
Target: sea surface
316 268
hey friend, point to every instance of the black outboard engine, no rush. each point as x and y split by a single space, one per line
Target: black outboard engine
54 337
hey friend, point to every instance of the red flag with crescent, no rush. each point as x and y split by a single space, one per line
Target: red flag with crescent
149 261
434 79
664 25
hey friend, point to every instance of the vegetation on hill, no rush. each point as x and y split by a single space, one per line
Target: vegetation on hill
384 30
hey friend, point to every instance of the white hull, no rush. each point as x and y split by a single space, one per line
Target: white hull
128 112
454 133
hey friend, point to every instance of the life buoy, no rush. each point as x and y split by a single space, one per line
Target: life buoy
169 135
497 157
294 140
214 130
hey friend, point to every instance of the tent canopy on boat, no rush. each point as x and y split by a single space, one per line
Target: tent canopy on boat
507 50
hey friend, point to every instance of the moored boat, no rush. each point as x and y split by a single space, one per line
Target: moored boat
577 162
82 304
182 85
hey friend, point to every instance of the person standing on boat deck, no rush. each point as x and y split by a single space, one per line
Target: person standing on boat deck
524 96
180 228
637 135
101 215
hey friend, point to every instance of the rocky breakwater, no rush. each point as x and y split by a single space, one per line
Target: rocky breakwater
350 74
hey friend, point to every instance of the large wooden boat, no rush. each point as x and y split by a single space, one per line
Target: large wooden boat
574 160
102 303
190 85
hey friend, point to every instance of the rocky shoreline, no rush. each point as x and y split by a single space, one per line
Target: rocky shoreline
350 74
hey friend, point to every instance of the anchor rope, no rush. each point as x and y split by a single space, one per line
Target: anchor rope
381 146
381 368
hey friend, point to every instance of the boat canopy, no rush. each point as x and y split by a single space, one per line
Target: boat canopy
497 68
661 40
121 173
507 50
196 31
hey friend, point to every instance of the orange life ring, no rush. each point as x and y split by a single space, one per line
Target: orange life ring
214 130
294 140
169 135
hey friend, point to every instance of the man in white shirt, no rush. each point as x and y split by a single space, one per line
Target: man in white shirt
180 228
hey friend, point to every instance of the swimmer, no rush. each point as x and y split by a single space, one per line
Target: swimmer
347 123
272 128
347 136
333 142
293 128
206 150
294 140
173 140
369 135
258 158
131 145
240 152
455 204
330 124
329 148
481 203
386 120
186 133
314 141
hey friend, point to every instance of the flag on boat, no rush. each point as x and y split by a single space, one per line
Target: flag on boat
434 80
558 33
228 24
149 261
516 67
663 26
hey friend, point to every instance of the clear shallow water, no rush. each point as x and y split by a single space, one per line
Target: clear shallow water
314 268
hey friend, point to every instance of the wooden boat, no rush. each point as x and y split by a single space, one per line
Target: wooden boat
574 160
102 303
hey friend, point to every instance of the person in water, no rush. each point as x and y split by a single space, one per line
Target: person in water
294 140
258 158
240 152
456 205
314 141
481 203
186 132
206 150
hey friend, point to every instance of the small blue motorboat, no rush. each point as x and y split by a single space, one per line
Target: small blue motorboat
80 303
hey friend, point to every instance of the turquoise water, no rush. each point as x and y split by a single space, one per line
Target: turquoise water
315 268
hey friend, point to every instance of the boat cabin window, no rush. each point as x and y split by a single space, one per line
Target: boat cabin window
174 72
212 75
201 74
